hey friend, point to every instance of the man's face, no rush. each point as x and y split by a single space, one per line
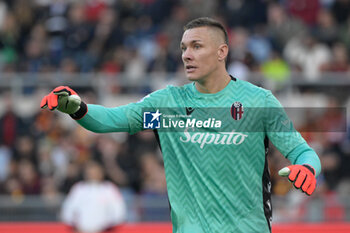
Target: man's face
200 52
93 173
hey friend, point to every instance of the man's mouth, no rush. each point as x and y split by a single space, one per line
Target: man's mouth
190 68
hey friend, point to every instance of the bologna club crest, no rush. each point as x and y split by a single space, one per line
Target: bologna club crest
237 111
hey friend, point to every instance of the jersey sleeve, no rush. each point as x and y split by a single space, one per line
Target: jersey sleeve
304 154
280 130
278 127
126 118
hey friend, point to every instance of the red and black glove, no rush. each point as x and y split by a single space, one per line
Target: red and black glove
302 176
65 100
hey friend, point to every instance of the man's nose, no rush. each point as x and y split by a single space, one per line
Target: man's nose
187 55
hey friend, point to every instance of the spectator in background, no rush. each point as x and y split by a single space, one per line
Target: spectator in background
107 33
94 10
339 61
307 55
54 17
10 123
50 193
276 71
344 34
153 186
259 45
239 43
242 60
25 14
326 29
78 34
281 27
68 66
135 69
306 12
13 188
244 13
238 68
206 8
109 152
341 10
10 36
113 63
72 176
25 148
5 160
93 205
172 29
35 57
152 170
28 177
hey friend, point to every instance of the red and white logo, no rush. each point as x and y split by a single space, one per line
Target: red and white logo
237 111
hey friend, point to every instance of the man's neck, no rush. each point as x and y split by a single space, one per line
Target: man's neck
213 84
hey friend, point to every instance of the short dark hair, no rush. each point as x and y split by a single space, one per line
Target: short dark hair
207 22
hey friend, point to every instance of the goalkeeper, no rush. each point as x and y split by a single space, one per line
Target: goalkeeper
217 181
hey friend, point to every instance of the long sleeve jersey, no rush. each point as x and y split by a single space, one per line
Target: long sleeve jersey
214 148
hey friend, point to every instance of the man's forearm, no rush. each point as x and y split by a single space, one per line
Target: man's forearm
100 119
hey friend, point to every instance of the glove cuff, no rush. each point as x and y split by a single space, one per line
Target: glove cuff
81 112
310 168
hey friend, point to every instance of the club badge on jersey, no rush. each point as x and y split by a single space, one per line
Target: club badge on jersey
237 110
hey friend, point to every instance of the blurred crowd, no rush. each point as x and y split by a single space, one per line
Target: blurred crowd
45 154
142 36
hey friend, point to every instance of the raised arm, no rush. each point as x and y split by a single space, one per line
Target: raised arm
95 118
100 119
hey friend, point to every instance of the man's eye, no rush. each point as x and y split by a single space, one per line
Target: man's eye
196 46
183 49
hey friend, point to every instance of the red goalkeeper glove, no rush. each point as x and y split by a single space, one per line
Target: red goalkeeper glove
302 176
65 100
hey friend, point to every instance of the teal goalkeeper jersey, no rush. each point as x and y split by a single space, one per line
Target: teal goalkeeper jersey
216 170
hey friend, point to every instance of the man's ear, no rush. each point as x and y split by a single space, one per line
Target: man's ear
222 52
